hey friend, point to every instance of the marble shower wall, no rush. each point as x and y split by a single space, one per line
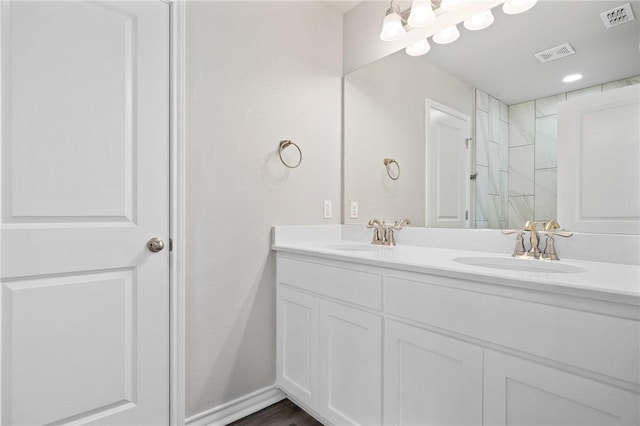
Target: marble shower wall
532 155
492 162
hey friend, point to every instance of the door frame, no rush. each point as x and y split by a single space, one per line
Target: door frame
430 103
176 216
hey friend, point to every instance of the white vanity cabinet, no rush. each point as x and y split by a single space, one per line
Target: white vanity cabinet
329 354
361 343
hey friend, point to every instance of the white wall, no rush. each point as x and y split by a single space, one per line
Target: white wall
256 73
384 107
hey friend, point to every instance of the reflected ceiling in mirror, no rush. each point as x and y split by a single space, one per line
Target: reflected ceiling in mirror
385 104
500 59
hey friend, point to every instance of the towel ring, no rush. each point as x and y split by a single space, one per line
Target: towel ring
284 144
388 162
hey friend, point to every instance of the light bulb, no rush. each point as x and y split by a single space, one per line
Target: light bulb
453 4
448 35
392 28
421 14
479 21
418 48
512 7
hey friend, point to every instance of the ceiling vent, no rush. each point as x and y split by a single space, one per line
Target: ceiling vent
555 53
617 16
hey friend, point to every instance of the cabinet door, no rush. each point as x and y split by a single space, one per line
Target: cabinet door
297 345
430 379
350 365
520 392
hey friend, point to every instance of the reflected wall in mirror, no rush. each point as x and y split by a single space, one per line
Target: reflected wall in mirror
385 112
492 77
533 154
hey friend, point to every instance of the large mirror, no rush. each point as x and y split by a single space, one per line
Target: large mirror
489 84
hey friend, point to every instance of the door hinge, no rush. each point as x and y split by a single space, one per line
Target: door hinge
170 244
473 176
466 215
466 142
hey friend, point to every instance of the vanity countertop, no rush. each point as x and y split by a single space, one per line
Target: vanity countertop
594 280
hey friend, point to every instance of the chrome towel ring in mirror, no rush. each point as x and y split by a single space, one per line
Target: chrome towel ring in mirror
283 145
388 162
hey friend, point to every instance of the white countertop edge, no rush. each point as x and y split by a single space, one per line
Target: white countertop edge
562 284
608 248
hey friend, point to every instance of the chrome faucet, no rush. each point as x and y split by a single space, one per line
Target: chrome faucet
395 227
550 229
379 231
383 233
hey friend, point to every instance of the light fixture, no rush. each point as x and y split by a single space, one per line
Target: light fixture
479 21
418 48
512 7
571 78
392 27
453 4
448 35
421 14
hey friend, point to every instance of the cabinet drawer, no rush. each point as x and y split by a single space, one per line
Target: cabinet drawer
349 285
595 342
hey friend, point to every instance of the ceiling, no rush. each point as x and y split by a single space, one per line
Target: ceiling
499 60
343 5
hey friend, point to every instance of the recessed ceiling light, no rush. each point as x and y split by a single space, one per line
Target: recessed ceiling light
572 77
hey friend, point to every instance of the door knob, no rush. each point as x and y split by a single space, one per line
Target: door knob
155 245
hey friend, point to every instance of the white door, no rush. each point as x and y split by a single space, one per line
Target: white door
430 379
599 162
85 154
447 171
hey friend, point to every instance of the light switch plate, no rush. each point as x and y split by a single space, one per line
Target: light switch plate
354 210
328 209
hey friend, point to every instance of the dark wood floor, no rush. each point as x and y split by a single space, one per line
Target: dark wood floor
283 413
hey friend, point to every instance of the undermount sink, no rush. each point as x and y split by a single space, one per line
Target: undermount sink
358 247
524 265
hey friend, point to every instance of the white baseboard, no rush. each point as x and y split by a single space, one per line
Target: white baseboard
238 408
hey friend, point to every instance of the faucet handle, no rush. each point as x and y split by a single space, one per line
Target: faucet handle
510 231
398 225
530 225
373 223
549 251
519 249
551 226
561 233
